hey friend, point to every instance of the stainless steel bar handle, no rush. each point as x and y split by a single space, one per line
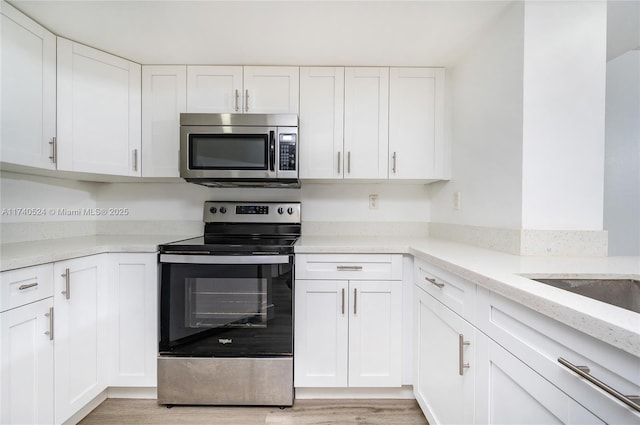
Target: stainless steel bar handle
349 162
355 301
461 364
135 160
339 162
27 286
237 99
67 283
246 100
434 282
393 167
349 268
54 150
343 301
50 316
583 372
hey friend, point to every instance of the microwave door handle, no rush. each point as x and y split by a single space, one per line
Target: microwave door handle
272 150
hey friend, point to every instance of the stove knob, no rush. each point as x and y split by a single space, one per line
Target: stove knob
223 210
290 210
280 210
213 210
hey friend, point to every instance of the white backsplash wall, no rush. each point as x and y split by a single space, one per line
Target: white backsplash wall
27 198
343 202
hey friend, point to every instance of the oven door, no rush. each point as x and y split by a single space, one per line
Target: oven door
228 152
226 306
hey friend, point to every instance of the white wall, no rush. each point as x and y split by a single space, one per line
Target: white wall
44 198
623 27
622 155
563 115
486 91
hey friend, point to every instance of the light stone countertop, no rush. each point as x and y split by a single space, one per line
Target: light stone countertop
496 271
502 273
25 254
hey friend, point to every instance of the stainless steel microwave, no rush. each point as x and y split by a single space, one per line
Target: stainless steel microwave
232 150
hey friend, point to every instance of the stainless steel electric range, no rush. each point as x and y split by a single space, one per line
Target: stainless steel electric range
226 308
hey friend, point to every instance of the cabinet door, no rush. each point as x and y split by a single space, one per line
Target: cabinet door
26 364
416 123
98 111
321 122
271 89
81 333
321 333
133 308
375 333
445 393
509 392
366 135
216 89
164 97
28 92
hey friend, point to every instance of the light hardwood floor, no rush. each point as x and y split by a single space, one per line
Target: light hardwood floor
303 412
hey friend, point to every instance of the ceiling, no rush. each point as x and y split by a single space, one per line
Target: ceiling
415 33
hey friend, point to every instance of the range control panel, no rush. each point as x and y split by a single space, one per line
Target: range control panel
251 212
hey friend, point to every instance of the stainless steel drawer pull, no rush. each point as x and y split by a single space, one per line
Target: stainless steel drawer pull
54 150
629 400
434 282
461 364
393 167
50 316
339 162
135 160
67 283
355 301
246 100
27 286
237 98
343 301
349 162
349 268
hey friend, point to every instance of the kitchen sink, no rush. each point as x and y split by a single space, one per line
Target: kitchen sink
623 293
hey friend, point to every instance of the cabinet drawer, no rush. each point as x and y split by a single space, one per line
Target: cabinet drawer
453 291
539 342
349 266
23 286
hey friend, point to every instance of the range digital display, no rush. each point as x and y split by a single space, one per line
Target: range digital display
252 209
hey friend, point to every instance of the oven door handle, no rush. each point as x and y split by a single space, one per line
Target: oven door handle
224 259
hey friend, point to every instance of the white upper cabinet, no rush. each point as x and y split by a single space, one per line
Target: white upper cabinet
216 89
321 122
366 134
271 89
28 123
164 97
416 123
237 89
98 111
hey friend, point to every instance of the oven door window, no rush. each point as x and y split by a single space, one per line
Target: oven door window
226 309
228 151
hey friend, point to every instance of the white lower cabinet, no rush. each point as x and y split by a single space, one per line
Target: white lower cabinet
514 374
348 325
133 310
510 392
444 363
26 374
348 333
81 329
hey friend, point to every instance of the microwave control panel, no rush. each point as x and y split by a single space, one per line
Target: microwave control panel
287 144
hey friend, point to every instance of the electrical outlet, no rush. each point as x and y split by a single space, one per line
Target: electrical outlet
456 200
373 201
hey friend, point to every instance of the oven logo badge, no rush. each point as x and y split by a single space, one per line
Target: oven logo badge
225 341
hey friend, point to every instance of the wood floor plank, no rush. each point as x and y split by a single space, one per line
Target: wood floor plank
303 412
